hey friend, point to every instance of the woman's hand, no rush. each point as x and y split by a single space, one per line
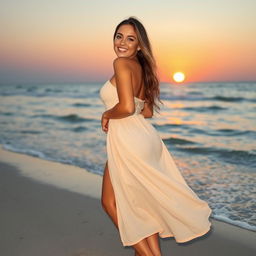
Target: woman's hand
104 123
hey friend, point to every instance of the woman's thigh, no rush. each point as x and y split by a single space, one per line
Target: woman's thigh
107 194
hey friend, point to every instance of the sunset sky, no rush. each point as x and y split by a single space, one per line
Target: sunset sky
71 41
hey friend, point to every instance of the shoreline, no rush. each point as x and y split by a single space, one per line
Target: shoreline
74 178
70 177
41 217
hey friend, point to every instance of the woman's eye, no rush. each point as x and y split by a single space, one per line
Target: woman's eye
131 39
117 36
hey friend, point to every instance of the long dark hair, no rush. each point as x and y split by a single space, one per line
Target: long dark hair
147 62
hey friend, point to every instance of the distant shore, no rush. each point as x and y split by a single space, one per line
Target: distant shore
54 209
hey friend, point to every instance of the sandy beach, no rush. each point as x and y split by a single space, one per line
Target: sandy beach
54 209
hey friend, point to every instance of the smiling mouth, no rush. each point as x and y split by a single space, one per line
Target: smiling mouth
121 49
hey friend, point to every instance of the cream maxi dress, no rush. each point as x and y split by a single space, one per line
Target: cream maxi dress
151 194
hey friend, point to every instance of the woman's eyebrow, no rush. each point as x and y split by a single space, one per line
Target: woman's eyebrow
128 35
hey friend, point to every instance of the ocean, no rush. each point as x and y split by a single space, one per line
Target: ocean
209 128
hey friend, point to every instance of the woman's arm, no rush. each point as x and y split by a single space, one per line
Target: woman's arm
125 107
147 111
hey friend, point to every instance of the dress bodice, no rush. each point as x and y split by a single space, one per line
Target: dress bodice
109 97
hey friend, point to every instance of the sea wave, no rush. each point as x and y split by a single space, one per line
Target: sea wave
226 98
81 105
222 132
72 118
205 109
238 157
177 141
199 97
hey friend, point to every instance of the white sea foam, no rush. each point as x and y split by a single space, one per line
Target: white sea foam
238 223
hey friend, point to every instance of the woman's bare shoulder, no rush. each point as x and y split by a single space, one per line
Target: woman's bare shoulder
122 61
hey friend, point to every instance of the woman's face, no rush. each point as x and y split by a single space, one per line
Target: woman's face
126 43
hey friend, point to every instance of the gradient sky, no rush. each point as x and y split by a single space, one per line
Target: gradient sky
71 40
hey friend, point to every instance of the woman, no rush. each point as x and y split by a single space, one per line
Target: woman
143 191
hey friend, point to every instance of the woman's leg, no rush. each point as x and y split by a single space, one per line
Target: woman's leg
109 205
142 248
153 242
108 197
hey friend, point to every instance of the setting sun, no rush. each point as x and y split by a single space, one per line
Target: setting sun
178 77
